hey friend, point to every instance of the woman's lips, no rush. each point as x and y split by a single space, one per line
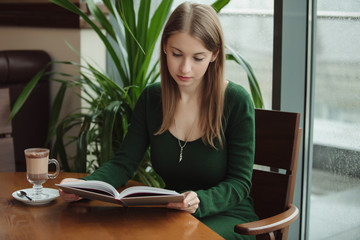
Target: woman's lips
183 78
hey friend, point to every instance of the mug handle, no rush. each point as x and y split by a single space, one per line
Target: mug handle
56 173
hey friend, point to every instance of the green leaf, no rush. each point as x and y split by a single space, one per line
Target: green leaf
55 111
253 83
143 21
101 18
20 100
82 146
110 113
219 4
128 16
59 148
158 19
154 73
125 123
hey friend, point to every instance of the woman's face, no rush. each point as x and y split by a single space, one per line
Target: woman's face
187 59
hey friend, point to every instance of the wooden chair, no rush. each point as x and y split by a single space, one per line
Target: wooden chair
7 158
276 155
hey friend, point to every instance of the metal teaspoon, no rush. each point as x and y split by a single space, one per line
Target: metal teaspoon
23 194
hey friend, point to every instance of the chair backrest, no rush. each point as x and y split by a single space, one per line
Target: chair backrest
277 137
7 158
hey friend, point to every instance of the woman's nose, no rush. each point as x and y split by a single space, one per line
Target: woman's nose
185 66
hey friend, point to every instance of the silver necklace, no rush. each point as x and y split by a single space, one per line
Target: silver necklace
186 139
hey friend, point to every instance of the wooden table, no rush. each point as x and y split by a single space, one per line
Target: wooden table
89 219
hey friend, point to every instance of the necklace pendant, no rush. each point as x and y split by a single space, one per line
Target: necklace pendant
186 139
181 154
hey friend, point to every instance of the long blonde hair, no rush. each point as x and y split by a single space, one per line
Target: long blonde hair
201 22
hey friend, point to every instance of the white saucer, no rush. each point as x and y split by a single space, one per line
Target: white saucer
52 195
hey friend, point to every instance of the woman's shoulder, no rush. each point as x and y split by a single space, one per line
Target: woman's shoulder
151 91
238 102
151 94
236 92
153 87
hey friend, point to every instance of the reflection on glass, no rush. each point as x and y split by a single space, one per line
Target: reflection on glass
335 190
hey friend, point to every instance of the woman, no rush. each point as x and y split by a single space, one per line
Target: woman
200 127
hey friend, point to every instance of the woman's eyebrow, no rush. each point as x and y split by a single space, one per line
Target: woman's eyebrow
198 53
176 49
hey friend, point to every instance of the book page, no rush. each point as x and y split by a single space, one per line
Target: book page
95 186
141 191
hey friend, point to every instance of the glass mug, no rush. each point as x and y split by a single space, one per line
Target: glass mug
37 172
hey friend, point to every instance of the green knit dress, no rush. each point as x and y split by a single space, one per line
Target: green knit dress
221 178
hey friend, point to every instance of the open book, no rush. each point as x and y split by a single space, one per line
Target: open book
137 195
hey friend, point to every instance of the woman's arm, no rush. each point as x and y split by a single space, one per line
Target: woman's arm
240 144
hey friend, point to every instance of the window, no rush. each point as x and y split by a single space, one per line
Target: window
335 191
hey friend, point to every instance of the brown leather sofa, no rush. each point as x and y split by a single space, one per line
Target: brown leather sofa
30 125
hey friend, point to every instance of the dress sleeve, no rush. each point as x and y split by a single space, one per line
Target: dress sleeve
240 146
127 159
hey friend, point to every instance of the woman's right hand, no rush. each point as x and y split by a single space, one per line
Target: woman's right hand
69 197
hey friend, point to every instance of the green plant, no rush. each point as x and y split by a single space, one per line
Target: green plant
110 97
130 45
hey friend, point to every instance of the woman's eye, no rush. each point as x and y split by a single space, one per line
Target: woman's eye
198 59
176 54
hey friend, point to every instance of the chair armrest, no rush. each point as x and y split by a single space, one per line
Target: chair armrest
270 224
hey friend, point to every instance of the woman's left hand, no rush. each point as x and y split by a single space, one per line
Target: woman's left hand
189 204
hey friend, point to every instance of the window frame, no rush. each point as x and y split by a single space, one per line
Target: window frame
293 88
